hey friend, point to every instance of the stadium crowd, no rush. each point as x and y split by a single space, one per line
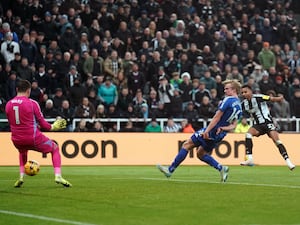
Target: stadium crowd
148 59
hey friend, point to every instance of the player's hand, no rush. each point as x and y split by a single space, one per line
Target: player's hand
58 124
219 130
205 135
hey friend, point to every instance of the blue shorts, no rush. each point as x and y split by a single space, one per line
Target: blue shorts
207 144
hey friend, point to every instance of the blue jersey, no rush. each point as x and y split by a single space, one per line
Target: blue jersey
232 110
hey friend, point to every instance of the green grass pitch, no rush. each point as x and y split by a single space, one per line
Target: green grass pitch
141 195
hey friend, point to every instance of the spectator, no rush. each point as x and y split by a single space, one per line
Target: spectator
112 112
165 93
282 110
82 126
206 109
85 109
210 82
36 93
28 49
5 30
153 127
108 93
186 126
191 114
294 62
231 45
280 87
113 64
136 80
199 68
9 48
24 71
97 127
10 86
71 76
152 102
129 127
171 126
42 78
63 67
235 75
69 41
49 27
76 93
265 84
242 126
93 65
124 99
185 63
185 88
49 111
100 111
58 98
155 70
266 57
295 104
16 62
176 104
257 73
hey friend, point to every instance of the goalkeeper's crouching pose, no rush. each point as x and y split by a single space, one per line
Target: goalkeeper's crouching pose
26 119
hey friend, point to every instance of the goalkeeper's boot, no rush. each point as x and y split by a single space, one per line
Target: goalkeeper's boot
64 182
224 173
164 170
19 183
248 162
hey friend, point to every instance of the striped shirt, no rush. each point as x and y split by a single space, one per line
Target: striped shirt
258 108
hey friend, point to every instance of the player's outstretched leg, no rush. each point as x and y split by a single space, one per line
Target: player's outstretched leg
284 154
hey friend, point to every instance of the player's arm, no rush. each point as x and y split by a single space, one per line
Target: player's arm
44 125
272 98
277 98
228 128
212 124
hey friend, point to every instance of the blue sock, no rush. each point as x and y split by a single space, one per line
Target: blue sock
178 159
211 161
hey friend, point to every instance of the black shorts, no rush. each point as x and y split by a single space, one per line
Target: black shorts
264 128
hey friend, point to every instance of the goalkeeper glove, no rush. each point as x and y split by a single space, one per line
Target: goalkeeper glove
58 124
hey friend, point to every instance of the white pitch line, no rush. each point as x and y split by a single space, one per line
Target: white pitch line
45 218
214 182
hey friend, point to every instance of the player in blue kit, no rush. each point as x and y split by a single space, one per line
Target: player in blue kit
206 139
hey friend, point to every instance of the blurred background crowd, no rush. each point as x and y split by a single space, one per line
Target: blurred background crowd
94 59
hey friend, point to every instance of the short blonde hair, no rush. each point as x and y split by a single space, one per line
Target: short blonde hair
234 83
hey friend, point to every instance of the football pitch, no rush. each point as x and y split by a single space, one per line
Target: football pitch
141 195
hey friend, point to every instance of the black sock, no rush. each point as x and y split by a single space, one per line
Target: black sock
283 151
249 146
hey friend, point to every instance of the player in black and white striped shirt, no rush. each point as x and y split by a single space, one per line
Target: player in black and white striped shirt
256 106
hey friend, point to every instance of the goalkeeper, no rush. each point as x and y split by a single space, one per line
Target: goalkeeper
26 119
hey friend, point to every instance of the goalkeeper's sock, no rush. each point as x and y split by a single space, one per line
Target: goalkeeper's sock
211 161
178 159
56 158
